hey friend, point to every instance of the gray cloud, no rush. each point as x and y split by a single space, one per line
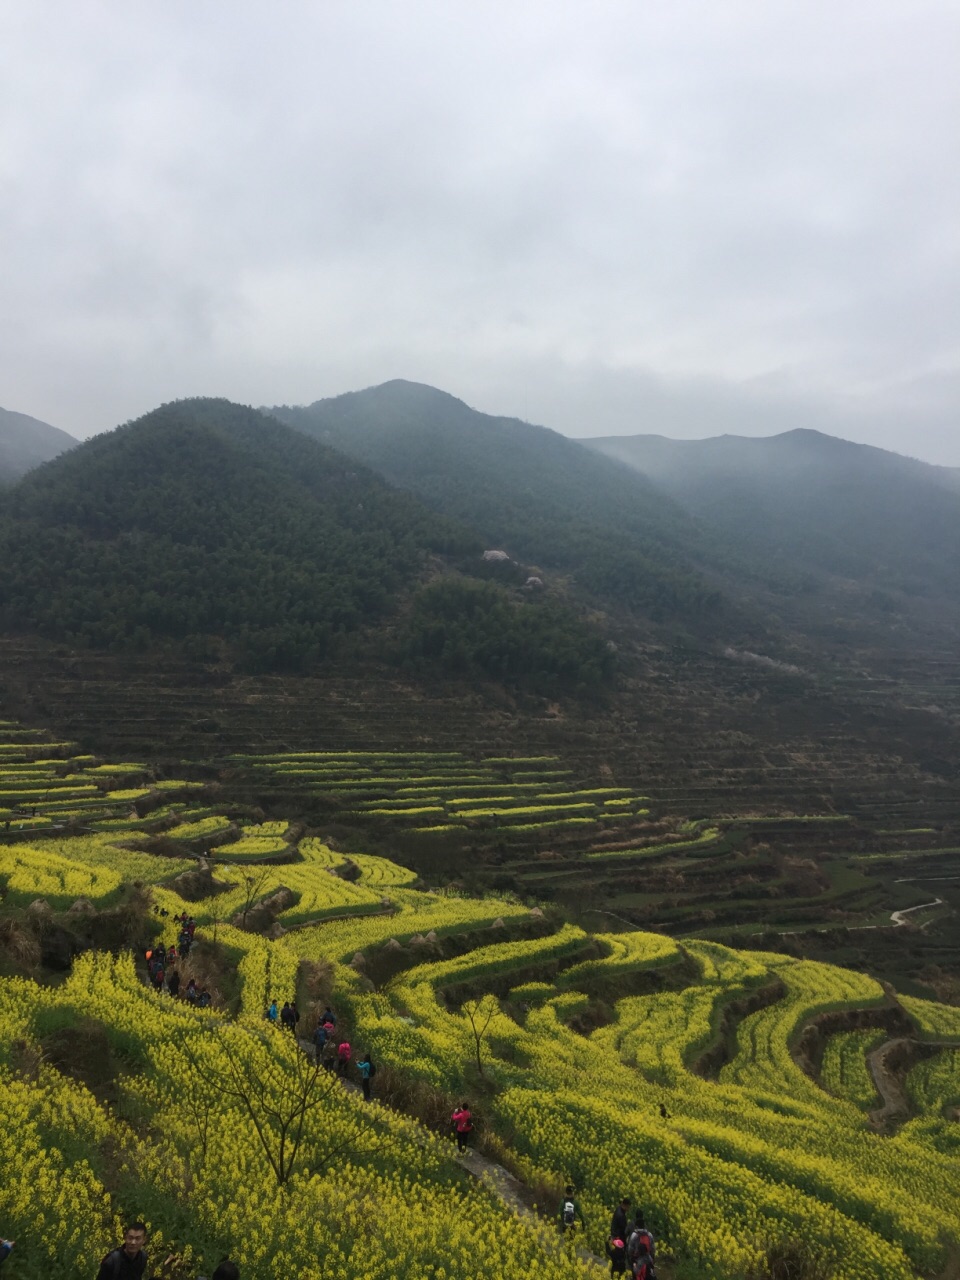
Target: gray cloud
608 218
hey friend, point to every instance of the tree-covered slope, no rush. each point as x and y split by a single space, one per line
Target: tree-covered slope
543 498
827 506
218 531
209 523
25 442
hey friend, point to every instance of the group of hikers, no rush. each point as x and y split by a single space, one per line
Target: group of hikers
332 1051
163 966
631 1247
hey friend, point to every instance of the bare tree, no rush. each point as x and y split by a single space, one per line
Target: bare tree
253 885
278 1087
478 1013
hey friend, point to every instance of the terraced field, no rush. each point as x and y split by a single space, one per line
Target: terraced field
623 1060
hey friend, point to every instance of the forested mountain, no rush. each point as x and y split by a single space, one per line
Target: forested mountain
219 530
540 496
25 442
849 516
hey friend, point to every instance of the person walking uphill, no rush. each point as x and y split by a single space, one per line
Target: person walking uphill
462 1124
367 1072
344 1053
569 1212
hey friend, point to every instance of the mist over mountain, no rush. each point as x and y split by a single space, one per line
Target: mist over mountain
25 442
794 539
848 514
543 498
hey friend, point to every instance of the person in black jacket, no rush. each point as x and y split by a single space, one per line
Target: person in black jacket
129 1262
618 1223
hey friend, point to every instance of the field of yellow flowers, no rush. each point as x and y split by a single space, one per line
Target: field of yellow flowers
310 1181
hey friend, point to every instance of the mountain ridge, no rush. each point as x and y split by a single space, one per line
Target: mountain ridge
26 442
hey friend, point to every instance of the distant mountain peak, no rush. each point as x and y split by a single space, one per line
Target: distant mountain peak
26 442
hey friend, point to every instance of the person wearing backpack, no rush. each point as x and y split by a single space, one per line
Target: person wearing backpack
6 1248
569 1211
641 1245
367 1071
642 1266
462 1123
129 1262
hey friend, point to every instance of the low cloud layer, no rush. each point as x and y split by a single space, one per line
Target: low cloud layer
611 218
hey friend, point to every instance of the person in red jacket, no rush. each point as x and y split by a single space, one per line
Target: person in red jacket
462 1123
344 1053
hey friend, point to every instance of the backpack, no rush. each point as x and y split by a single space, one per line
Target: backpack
373 1069
640 1241
569 1213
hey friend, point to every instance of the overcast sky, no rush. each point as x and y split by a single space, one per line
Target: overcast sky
665 216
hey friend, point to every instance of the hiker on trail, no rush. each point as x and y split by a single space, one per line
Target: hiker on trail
618 1223
641 1267
205 999
663 1112
191 992
344 1053
617 1253
272 1014
569 1211
6 1247
173 984
319 1041
157 977
191 927
286 1016
295 1013
329 1059
129 1262
462 1124
329 1016
641 1247
367 1072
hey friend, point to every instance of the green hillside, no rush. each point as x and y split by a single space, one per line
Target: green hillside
207 524
875 533
225 536
539 496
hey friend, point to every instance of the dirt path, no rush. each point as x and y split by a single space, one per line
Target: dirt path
897 920
508 1189
514 1195
898 917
